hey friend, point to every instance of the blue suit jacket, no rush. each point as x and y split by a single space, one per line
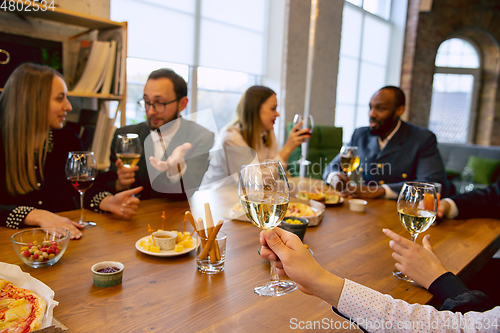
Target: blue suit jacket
410 155
479 203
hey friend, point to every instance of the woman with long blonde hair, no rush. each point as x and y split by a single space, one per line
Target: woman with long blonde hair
250 139
34 147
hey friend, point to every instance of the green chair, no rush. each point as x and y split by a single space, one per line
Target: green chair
324 145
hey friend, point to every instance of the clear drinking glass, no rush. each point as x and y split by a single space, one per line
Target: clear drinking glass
264 196
417 208
128 149
349 159
308 122
81 170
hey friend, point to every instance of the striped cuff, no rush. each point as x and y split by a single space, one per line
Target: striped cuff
96 201
17 216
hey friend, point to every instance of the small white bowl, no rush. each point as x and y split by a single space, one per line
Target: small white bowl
165 240
357 205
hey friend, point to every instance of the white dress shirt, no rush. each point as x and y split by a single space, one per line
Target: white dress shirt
167 134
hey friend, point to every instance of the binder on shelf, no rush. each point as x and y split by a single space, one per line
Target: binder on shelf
119 35
92 77
103 135
110 69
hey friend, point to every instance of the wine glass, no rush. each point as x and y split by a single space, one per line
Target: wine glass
81 170
349 159
128 149
264 196
308 122
417 208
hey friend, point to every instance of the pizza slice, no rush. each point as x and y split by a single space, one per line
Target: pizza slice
21 310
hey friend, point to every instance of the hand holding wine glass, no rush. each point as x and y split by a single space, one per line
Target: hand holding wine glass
264 195
349 159
307 122
81 170
417 208
128 149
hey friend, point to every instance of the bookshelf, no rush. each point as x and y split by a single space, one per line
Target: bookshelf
80 20
64 26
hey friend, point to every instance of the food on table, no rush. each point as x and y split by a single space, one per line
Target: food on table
21 310
295 209
109 270
41 251
290 221
184 240
298 210
329 197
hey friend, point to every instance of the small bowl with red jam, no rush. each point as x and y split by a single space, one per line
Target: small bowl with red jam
107 273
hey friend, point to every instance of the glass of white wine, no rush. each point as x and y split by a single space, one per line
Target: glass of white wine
417 208
264 196
349 159
128 149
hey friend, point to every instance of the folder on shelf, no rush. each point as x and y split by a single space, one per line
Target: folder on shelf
119 35
92 77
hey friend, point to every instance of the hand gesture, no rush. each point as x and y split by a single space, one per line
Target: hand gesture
443 209
297 136
293 259
46 219
414 260
126 176
170 165
122 204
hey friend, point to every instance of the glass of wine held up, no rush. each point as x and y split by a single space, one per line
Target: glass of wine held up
81 170
417 208
264 196
128 149
307 122
349 159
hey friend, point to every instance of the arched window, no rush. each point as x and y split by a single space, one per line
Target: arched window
454 91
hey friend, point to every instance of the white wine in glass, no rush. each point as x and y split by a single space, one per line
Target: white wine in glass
128 149
349 159
264 195
417 208
81 170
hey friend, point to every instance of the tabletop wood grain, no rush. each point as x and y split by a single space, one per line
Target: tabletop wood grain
168 294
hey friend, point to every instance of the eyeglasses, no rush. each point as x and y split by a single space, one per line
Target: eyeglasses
158 107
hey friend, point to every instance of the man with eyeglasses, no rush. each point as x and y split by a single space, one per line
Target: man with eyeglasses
175 150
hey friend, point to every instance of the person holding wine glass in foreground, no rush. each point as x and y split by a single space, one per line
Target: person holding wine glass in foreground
251 135
34 148
391 152
355 301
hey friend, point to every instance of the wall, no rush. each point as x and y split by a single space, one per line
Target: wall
476 20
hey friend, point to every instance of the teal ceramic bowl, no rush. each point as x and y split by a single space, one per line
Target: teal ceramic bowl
104 279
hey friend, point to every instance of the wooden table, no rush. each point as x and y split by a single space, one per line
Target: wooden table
169 295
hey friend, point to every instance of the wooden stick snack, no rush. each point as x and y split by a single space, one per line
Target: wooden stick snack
210 228
163 221
151 231
210 241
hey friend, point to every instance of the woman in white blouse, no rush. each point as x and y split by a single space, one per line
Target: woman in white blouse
250 139
376 312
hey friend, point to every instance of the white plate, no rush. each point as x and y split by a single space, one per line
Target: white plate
170 253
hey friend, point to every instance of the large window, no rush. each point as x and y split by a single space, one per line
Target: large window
454 91
218 46
364 54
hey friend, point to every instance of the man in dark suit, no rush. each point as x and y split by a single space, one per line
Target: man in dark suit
391 152
175 154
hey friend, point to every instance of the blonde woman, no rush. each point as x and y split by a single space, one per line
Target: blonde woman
34 147
250 139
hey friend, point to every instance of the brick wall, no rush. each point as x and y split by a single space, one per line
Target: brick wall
476 20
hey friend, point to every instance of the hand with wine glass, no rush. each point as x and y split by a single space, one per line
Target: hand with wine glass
264 195
307 126
417 208
128 153
81 170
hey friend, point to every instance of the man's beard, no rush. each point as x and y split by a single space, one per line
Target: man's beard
174 117
385 128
